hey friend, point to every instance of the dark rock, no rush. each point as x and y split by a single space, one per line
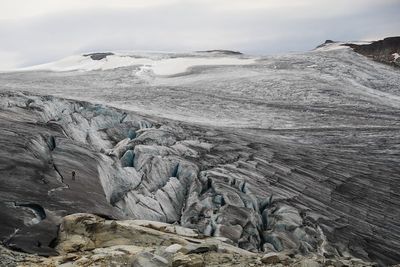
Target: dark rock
381 51
327 42
98 56
221 51
199 248
147 259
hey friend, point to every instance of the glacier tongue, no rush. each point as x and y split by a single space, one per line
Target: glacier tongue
172 176
259 192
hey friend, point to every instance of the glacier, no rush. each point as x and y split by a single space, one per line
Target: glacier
294 152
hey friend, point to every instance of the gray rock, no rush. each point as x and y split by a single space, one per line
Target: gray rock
190 260
270 258
307 263
233 232
173 248
147 259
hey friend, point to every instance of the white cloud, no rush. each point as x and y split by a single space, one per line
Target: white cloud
37 31
17 9
9 60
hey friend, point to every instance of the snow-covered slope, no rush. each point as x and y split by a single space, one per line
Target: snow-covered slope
265 92
330 45
157 63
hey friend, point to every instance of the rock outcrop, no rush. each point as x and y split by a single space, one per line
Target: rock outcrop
89 240
222 51
385 51
98 56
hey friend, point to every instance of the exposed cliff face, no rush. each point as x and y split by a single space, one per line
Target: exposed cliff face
257 190
385 51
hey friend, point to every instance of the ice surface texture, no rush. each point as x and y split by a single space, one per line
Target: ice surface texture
294 152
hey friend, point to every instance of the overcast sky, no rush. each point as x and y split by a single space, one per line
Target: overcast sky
38 31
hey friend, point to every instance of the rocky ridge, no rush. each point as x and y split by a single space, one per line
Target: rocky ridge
89 240
385 51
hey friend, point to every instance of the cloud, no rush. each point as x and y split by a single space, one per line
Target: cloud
17 9
47 31
8 59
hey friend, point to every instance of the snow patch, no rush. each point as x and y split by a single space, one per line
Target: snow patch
396 56
360 42
331 47
148 65
339 45
179 65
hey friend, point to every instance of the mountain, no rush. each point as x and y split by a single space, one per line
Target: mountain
293 154
385 51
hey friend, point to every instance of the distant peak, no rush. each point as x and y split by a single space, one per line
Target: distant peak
221 51
326 43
